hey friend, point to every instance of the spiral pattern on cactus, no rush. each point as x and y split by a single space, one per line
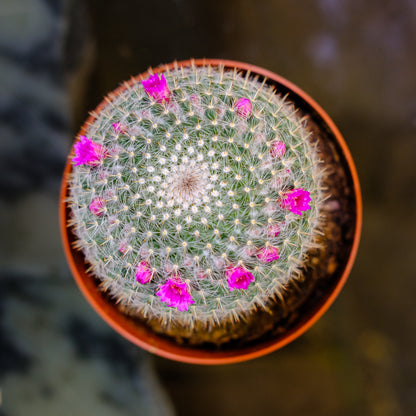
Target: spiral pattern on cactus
203 200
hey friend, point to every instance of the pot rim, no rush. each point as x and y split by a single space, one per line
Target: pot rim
144 337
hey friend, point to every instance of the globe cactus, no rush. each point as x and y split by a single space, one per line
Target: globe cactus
196 195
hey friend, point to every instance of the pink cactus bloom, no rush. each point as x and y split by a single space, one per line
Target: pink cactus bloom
243 107
97 206
268 254
194 99
88 152
119 128
124 245
273 230
277 149
238 278
249 251
175 293
144 273
157 88
296 201
201 274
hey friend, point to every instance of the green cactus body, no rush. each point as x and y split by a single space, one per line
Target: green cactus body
191 188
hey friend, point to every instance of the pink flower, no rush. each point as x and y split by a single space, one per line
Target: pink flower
144 273
124 245
238 278
97 206
88 153
157 88
201 274
249 251
296 201
187 262
268 254
194 99
243 107
278 149
119 128
273 230
175 293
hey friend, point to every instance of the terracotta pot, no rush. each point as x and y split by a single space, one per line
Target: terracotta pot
311 311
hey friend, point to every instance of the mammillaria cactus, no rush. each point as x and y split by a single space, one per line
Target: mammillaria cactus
196 195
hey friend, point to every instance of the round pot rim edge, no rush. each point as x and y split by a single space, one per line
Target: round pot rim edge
165 348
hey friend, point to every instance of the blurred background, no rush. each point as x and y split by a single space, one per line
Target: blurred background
57 60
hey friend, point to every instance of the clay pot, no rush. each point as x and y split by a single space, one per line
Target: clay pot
348 216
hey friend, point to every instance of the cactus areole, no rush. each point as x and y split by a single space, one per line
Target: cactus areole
210 211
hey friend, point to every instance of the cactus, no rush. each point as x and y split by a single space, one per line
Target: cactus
196 195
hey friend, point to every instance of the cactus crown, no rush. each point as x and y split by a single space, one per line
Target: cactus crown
196 195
